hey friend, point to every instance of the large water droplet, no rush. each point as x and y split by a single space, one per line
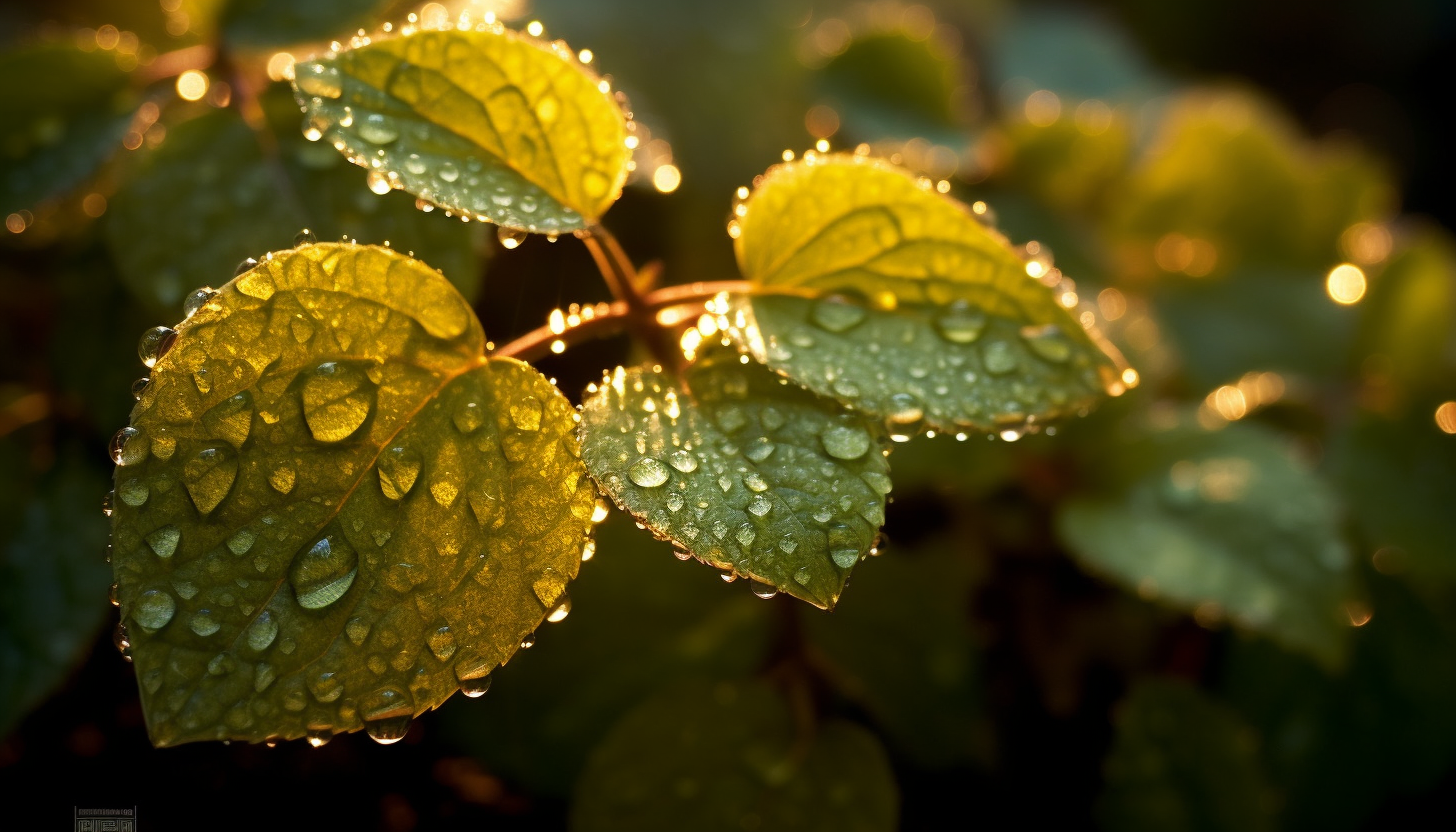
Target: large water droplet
314 78
999 358
473 674
441 641
960 323
762 590
1048 342
838 312
197 299
305 237
139 387
905 417
683 461
561 610
387 714
647 472
154 609
324 572
128 446
526 413
377 128
399 467
510 237
203 623
262 631
845 442
133 492
209 476
155 343
843 546
164 541
232 419
337 399
378 182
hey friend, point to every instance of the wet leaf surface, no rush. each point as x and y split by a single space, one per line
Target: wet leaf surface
1225 523
331 511
734 756
898 302
745 472
488 122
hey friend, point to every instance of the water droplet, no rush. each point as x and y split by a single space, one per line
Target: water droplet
477 687
561 610
244 267
357 629
683 461
763 590
838 312
122 641
960 323
759 449
128 446
468 417
209 476
905 417
324 572
879 482
873 513
759 505
164 541
999 358
337 399
282 479
754 482
108 502
745 535
377 128
845 442
240 543
231 419
647 472
197 299
787 544
305 237
510 237
154 609
378 182
843 546
399 467
325 687
203 624
133 492
731 418
441 641
314 78
529 641
802 576
155 343
139 387
526 413
771 418
262 631
1048 342
319 737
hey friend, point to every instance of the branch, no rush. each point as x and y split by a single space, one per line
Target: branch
176 62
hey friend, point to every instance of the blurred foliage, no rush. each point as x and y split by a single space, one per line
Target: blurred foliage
982 665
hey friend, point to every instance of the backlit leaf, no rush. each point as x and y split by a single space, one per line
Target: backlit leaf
1182 762
1226 523
896 301
334 511
56 133
487 122
734 756
745 472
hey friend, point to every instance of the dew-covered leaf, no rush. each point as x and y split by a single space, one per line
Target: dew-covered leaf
488 122
174 225
1228 523
53 576
1182 762
895 300
639 620
259 24
57 132
901 646
331 510
745 472
734 756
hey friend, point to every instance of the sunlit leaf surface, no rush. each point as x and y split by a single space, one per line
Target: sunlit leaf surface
745 472
57 132
333 511
1181 761
1226 523
174 226
488 122
639 620
53 576
734 756
896 301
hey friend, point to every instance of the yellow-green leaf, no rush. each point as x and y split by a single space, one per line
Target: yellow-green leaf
894 299
331 510
488 122
745 472
734 756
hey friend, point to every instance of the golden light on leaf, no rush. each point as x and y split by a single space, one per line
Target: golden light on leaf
666 178
1446 417
280 67
191 85
1345 284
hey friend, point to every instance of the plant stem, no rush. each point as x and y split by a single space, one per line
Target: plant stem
621 277
537 343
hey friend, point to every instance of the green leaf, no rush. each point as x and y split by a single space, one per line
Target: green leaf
1410 315
902 647
260 24
487 122
52 577
895 84
745 472
734 756
334 510
58 132
915 312
1182 761
638 620
174 225
1228 520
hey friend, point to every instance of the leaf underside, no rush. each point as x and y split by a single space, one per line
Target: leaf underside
923 316
486 122
335 511
730 757
746 472
1224 518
